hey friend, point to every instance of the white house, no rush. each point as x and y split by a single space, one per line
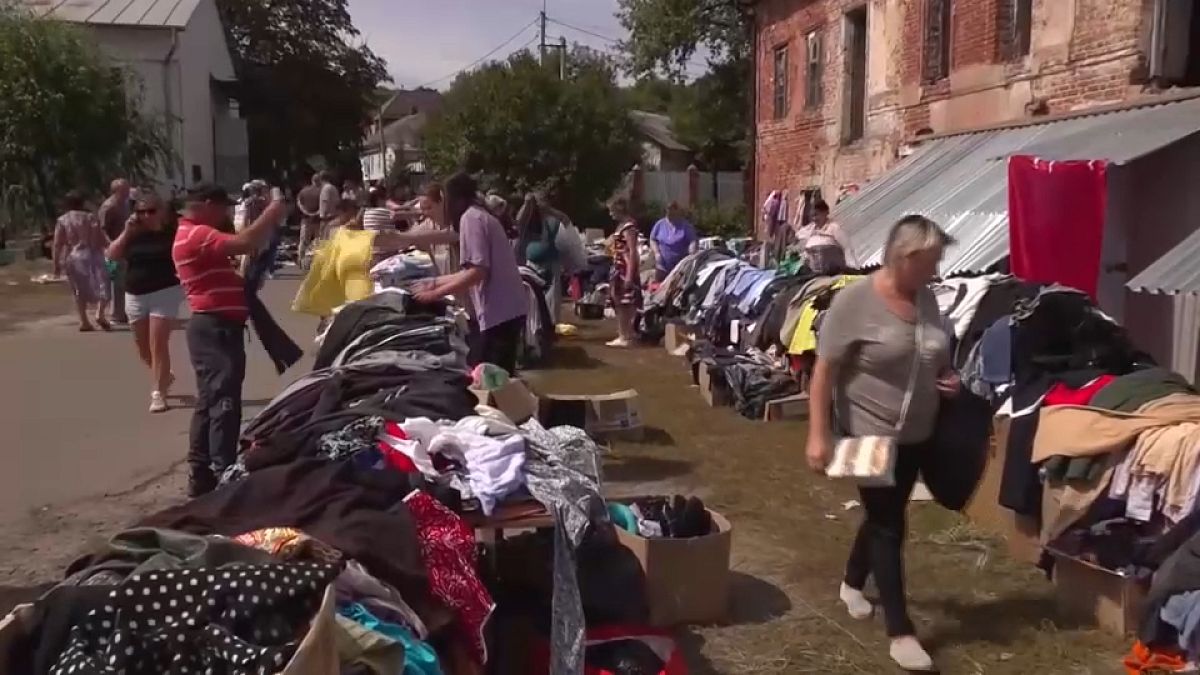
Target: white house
178 51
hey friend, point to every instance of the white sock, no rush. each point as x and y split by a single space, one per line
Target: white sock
856 603
908 653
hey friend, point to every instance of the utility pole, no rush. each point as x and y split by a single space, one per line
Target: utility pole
562 59
542 42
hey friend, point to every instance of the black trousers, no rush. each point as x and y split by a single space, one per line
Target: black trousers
879 547
498 345
218 350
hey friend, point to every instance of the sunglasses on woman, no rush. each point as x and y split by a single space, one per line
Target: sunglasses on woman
145 212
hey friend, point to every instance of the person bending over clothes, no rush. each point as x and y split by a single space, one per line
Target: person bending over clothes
672 239
489 275
203 253
883 365
153 294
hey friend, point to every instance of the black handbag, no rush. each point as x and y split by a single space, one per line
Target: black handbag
956 454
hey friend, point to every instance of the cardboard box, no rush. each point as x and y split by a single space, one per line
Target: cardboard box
1089 593
713 387
514 399
617 415
687 580
677 339
787 408
1019 532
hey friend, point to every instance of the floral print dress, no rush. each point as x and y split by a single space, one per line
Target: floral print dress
82 236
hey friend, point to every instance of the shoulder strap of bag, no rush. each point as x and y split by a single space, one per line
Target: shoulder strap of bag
919 332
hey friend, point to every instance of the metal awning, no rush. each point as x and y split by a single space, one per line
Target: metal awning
1176 272
961 181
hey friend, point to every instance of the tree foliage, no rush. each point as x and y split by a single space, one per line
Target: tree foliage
307 83
664 35
525 130
66 120
711 115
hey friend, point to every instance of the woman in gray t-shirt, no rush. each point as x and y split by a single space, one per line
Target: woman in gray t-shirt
866 352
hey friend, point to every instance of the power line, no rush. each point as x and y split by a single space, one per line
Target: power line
584 31
483 58
612 40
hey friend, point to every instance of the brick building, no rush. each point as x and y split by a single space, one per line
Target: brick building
844 85
847 88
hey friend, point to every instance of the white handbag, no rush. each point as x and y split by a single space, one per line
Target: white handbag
870 461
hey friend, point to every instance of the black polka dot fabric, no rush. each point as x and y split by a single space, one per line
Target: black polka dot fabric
228 621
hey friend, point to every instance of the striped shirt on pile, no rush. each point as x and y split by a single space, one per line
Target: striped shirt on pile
206 271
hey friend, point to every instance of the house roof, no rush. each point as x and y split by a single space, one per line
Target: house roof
961 180
400 103
406 133
139 13
657 128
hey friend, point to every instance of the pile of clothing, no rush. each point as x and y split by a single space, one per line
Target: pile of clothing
677 517
343 538
752 377
341 273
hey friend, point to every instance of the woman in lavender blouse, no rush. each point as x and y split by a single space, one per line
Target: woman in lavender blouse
672 239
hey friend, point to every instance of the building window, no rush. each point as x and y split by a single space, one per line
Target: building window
1015 25
937 40
1175 43
854 121
813 70
781 81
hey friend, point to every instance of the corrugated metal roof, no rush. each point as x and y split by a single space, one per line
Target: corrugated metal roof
962 181
1176 272
141 13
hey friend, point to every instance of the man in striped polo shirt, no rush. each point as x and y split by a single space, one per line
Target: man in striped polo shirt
204 254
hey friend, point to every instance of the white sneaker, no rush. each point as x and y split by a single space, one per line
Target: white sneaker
619 343
857 604
158 402
910 655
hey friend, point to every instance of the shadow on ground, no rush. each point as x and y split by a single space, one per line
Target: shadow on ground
753 601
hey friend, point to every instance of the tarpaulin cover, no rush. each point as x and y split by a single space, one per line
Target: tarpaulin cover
1056 220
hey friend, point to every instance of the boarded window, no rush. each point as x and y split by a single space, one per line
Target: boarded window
781 81
1014 25
937 40
855 110
814 67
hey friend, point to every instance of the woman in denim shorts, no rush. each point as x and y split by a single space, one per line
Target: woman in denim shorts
153 295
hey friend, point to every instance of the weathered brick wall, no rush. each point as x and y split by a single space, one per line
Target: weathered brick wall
1083 53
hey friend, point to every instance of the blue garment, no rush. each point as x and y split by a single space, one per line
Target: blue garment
1183 612
419 658
995 352
758 281
721 283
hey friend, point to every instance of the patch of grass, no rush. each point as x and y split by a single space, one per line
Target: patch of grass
979 610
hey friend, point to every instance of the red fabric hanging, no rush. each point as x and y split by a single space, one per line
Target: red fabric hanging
1056 220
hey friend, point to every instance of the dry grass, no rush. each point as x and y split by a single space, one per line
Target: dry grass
979 611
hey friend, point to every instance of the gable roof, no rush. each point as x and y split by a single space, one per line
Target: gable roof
400 103
657 128
138 13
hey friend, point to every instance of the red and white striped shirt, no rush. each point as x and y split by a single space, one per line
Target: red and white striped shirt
206 271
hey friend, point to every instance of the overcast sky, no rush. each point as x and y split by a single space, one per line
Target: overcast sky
424 40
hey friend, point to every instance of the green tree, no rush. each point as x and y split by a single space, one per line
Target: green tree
665 35
307 86
711 115
525 130
66 120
